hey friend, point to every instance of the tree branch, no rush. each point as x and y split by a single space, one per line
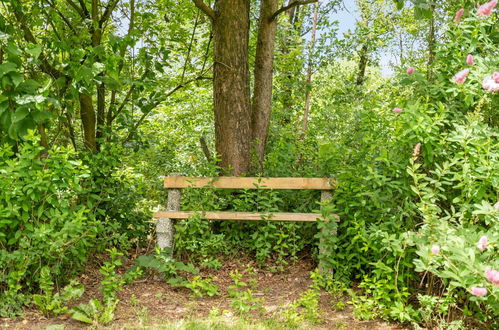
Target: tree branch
84 8
54 7
205 9
45 66
158 102
108 11
206 150
78 9
289 6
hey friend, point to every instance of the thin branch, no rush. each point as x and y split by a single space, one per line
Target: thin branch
110 116
78 9
205 8
289 6
187 58
45 66
123 103
108 11
54 7
206 150
158 102
84 8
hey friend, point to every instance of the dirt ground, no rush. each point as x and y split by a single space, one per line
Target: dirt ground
150 302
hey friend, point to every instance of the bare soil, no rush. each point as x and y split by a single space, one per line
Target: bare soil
149 302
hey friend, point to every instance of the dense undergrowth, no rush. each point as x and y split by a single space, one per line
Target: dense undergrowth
417 195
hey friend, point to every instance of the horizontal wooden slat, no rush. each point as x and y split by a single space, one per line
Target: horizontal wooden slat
229 182
280 216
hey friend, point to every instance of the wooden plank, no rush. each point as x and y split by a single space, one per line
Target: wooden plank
250 216
229 182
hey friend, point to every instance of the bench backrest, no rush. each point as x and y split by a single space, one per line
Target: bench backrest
228 182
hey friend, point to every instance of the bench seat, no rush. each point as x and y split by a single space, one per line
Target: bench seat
251 216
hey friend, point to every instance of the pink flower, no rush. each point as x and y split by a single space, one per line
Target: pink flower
410 70
460 77
496 205
435 249
486 9
482 243
469 59
397 110
477 291
495 76
459 13
491 84
492 275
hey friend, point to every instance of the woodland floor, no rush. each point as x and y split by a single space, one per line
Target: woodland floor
149 303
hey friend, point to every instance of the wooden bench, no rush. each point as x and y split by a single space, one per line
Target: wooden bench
165 223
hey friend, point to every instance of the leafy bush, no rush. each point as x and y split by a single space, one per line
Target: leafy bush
41 221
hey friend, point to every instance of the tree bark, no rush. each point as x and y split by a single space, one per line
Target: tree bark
431 44
87 115
364 58
231 85
262 93
308 83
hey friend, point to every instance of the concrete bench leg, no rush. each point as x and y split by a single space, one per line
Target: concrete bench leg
165 227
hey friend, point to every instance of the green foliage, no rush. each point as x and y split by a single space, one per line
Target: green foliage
101 312
164 264
112 282
54 304
95 312
306 308
41 221
201 287
242 298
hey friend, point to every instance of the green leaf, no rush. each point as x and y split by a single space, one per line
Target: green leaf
82 318
29 86
7 67
34 50
12 49
20 114
40 116
16 78
97 68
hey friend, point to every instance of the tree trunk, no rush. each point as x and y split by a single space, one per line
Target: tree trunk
262 94
364 58
431 44
101 109
231 85
308 83
87 115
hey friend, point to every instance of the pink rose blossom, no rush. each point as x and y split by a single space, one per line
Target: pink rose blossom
495 76
435 249
491 84
486 9
459 13
410 70
479 292
492 275
496 205
469 59
397 110
482 243
460 77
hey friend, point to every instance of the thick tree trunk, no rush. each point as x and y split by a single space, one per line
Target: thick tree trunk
364 58
231 85
262 94
87 115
